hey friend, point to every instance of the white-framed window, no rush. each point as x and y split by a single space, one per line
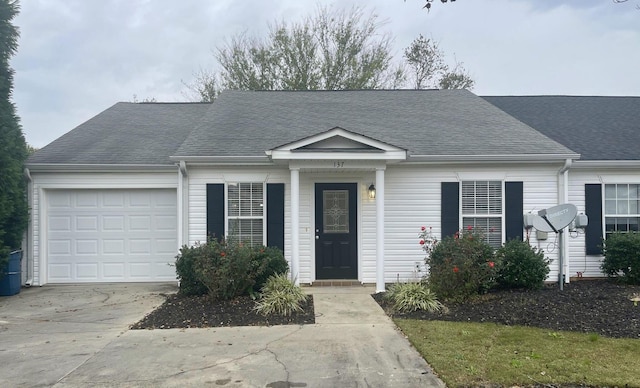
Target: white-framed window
621 207
245 212
482 209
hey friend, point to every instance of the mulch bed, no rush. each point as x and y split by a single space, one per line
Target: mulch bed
588 306
180 311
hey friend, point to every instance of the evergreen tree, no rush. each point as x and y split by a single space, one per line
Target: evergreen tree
13 148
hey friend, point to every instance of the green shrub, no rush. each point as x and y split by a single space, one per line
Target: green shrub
189 282
226 269
408 297
622 257
271 262
461 266
521 266
280 295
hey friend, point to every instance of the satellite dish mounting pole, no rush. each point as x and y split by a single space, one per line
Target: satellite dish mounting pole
543 214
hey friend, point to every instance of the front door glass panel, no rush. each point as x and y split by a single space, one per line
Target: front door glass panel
336 211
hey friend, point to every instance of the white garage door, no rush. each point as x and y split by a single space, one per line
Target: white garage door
110 235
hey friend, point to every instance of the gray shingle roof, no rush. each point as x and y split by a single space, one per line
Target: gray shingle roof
126 133
425 122
599 128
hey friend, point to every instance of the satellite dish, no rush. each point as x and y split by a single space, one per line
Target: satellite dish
558 216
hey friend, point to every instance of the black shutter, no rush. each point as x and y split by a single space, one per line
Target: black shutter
450 208
275 215
215 210
513 218
593 208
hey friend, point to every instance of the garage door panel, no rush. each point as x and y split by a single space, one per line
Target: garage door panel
60 272
111 235
86 247
86 200
113 223
140 223
113 271
165 247
87 223
60 223
87 271
166 223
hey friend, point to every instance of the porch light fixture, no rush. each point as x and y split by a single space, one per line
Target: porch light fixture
372 191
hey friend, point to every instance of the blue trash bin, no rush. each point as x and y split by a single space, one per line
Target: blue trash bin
11 281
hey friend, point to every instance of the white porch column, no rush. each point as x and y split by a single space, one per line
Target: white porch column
295 225
380 230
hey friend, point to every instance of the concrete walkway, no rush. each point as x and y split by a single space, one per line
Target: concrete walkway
84 341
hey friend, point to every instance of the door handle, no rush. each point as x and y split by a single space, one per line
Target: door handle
317 237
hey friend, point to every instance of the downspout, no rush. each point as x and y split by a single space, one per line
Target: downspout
28 235
182 175
563 194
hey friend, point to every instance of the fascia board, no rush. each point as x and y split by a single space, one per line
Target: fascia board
492 158
46 167
292 155
606 164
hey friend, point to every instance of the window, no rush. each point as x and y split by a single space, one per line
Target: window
245 212
482 209
621 208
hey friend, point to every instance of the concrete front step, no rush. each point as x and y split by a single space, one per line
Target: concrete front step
336 283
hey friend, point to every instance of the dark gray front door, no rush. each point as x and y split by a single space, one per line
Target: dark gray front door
336 231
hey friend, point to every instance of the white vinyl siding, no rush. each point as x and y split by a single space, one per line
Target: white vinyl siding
482 209
412 199
621 207
245 212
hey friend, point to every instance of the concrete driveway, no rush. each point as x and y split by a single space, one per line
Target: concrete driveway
78 336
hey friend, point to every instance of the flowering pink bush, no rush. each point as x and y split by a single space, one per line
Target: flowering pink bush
461 266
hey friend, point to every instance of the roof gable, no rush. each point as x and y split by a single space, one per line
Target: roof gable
323 145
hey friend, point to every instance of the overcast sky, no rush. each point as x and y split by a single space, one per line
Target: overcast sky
78 57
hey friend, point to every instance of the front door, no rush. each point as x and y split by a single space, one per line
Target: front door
336 231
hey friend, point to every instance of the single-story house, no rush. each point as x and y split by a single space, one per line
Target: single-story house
341 181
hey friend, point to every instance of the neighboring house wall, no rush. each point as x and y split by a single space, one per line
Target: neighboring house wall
42 182
582 261
413 199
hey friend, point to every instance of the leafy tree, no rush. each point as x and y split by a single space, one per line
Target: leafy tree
428 69
13 148
331 50
424 58
458 78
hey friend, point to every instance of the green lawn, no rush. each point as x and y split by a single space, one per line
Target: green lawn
468 354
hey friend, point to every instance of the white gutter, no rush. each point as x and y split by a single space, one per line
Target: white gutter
491 158
604 164
99 167
29 236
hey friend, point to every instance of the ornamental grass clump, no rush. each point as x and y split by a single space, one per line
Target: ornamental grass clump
409 297
461 266
521 265
280 296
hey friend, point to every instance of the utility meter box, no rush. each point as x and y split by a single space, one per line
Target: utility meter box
581 221
528 220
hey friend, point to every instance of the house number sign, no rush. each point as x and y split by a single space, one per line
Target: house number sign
338 164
